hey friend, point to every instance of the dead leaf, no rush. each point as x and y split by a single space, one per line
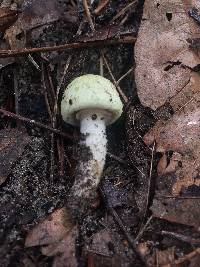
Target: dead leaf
163 58
7 18
64 251
5 61
57 237
180 135
107 32
182 211
164 257
104 250
12 143
35 14
191 260
100 242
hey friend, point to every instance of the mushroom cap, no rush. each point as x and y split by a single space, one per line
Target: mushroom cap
90 92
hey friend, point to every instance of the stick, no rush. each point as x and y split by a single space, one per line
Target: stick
81 45
35 123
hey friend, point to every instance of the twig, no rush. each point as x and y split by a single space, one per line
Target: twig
124 76
15 74
35 123
177 197
45 94
81 45
142 229
184 238
88 15
112 156
101 65
72 2
122 11
31 59
16 91
122 227
54 120
101 5
61 155
191 99
149 180
114 80
117 158
124 20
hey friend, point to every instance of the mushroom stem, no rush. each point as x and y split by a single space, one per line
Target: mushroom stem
92 126
92 156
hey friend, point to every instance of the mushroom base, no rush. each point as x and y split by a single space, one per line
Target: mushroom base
91 162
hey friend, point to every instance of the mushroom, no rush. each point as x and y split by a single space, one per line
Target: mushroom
92 102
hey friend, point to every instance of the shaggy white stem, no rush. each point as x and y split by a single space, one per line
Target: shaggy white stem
93 127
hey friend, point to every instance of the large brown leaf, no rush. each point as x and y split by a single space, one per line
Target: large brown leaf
162 54
57 238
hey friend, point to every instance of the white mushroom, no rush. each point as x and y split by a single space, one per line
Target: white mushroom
92 102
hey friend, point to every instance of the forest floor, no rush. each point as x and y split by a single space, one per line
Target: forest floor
44 46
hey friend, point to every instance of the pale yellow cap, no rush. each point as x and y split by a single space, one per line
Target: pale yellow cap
90 92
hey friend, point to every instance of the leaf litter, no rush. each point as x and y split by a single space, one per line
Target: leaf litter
165 74
166 65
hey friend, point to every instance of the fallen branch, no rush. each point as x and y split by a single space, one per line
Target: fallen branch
81 45
35 123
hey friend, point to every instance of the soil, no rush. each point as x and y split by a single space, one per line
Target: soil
40 179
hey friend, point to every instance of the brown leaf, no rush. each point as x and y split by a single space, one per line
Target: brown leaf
190 260
101 248
64 251
180 135
162 54
7 18
58 236
5 61
12 143
35 14
164 257
182 211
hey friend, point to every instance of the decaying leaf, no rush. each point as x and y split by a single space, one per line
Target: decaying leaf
178 169
182 211
57 238
165 73
164 257
100 242
104 250
7 17
179 136
5 61
12 143
191 259
163 58
34 14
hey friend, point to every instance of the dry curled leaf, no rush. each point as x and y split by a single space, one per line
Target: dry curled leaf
57 238
163 58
